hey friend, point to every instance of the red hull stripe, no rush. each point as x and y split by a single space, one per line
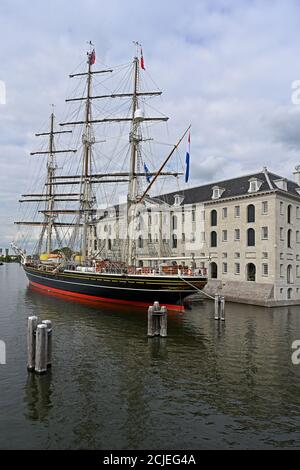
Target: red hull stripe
179 308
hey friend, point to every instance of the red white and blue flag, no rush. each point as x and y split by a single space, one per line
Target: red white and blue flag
187 159
92 57
142 60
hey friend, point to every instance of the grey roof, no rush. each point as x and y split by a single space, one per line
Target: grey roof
233 187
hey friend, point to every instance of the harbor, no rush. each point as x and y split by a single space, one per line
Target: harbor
209 384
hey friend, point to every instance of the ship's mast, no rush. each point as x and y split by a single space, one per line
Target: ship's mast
50 187
87 143
132 188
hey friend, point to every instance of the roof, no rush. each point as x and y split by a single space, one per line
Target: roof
233 187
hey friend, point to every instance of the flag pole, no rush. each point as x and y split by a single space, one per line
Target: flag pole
164 164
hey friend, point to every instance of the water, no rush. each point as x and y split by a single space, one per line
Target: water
208 385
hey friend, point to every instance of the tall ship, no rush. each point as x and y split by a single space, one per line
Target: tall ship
67 257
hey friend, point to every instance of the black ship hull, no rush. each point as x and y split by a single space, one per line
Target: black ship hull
118 288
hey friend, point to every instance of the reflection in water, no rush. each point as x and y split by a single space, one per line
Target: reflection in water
209 384
38 396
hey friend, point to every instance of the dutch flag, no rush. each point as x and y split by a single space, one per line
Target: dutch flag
187 159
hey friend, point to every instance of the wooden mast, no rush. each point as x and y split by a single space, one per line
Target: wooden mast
132 188
86 160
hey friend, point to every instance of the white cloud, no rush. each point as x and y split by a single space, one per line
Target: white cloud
226 67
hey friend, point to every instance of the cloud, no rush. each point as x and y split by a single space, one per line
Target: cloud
226 67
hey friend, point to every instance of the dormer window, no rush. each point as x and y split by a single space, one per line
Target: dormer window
217 192
254 185
281 184
178 200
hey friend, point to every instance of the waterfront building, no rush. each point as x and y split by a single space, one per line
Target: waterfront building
244 232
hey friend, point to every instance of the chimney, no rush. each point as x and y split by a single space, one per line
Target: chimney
296 174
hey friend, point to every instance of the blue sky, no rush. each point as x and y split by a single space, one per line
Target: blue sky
225 66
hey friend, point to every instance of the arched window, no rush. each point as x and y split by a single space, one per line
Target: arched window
289 213
213 270
251 272
140 242
213 239
251 213
289 274
289 293
213 218
289 238
251 237
174 241
174 222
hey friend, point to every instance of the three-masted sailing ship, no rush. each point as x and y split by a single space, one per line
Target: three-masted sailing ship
79 272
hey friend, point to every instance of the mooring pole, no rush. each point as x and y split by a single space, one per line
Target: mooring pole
156 318
163 321
31 331
217 307
150 322
222 308
41 349
48 323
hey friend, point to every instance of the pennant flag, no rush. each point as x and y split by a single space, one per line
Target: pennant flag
92 57
187 159
148 177
142 60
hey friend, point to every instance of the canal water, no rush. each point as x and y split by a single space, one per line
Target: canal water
209 385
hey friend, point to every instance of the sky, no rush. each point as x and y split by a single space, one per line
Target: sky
226 66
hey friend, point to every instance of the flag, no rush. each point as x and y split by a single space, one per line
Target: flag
142 60
92 57
148 177
187 159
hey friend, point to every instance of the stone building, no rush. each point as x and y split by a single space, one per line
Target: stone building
244 232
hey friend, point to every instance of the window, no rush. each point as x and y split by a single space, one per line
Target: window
224 255
298 257
194 214
281 233
297 271
250 237
237 255
193 237
225 268
237 234
183 237
297 212
217 192
182 214
289 293
237 211
264 255
213 239
174 222
213 218
281 208
224 213
150 238
251 272
95 244
254 185
264 207
265 269
203 236
213 270
289 274
224 235
281 270
149 220
251 213
156 238
203 215
174 241
109 244
264 233
297 236
289 214
289 238
237 268
281 256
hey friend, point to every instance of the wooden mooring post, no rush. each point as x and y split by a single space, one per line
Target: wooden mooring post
31 330
157 320
39 344
219 307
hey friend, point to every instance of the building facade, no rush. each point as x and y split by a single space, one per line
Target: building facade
243 232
